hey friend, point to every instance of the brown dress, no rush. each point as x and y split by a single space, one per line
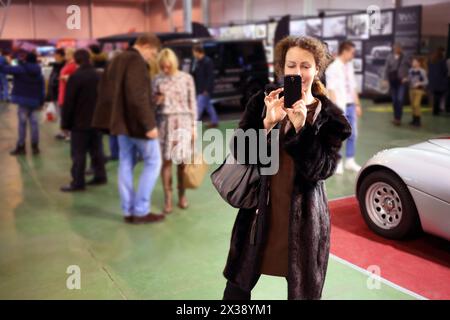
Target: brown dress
275 255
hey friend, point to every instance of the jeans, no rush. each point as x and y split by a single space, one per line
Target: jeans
4 93
26 114
137 203
204 102
350 114
398 97
114 147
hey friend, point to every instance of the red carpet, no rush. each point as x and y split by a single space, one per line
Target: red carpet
421 265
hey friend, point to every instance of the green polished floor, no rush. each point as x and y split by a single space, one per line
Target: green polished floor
43 231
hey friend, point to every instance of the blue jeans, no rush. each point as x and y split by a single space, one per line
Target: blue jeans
137 203
350 114
204 102
4 93
398 97
24 115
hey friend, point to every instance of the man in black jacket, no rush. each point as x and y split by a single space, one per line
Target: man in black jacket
203 73
77 113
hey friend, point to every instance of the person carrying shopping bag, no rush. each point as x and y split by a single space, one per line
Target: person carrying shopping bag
176 118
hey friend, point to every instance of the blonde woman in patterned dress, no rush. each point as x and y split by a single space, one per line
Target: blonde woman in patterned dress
176 118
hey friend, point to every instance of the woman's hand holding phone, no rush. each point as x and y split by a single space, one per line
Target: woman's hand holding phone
297 114
274 109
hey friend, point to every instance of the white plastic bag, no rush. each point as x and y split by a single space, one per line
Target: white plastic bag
50 112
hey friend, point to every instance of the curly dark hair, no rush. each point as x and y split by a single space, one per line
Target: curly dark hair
317 48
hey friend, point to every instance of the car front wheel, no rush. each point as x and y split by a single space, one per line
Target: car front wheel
387 206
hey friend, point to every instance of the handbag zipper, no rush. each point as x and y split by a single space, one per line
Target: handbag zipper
253 229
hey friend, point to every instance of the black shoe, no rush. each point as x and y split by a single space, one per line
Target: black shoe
418 122
35 149
71 188
97 182
19 150
415 121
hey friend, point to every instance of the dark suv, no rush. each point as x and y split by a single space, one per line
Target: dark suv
240 66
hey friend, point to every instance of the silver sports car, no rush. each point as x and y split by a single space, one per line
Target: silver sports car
404 190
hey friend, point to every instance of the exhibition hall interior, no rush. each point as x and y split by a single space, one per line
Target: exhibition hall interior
225 150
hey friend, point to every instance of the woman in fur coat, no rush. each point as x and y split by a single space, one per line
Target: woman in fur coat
288 233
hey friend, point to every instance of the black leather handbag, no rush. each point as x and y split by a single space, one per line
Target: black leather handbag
238 184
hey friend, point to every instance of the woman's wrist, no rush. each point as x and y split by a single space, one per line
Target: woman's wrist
268 125
298 127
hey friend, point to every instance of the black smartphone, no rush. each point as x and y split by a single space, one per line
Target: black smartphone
292 89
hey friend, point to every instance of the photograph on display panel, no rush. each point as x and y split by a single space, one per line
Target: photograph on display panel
386 24
224 32
358 48
376 53
233 32
357 64
314 28
334 27
214 32
249 31
261 31
359 82
333 46
358 26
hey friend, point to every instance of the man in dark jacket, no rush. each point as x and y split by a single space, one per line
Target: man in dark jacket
125 109
395 75
77 113
28 93
203 73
